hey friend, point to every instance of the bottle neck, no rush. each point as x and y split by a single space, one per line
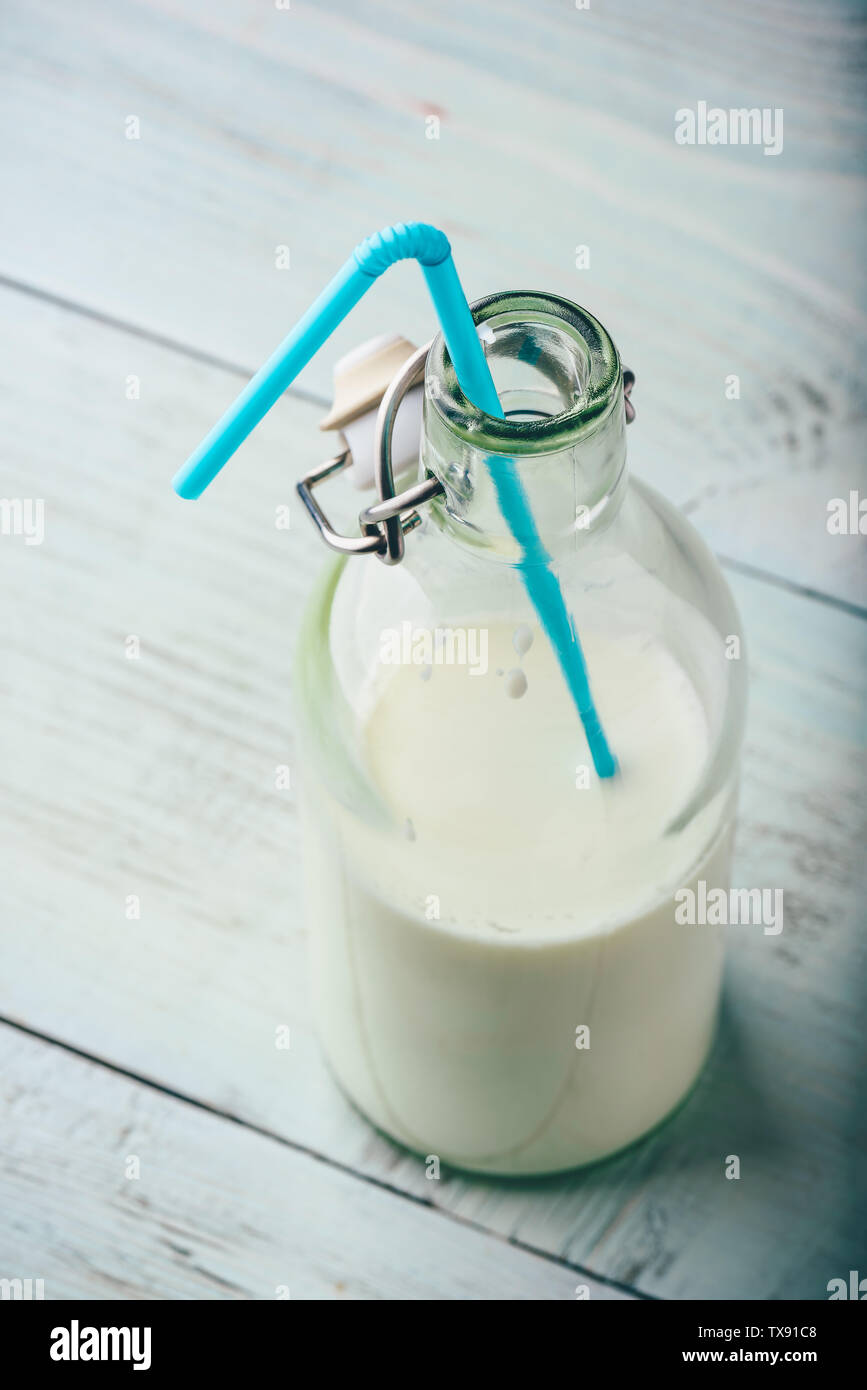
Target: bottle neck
562 441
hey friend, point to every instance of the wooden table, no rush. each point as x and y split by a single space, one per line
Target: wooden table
156 1142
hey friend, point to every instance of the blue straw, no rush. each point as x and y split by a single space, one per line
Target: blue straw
430 247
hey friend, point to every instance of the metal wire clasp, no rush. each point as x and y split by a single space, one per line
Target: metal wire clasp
385 523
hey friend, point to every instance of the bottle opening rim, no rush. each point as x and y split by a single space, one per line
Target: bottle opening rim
595 358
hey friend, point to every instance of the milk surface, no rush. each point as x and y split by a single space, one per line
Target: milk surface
506 904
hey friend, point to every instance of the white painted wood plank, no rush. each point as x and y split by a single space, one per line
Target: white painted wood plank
154 777
109 1189
306 128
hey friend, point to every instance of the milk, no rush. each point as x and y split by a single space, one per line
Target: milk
498 976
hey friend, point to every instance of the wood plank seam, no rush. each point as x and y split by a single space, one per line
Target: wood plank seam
148 335
346 1169
315 398
779 581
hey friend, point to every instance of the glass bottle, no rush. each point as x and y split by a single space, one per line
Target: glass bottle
499 973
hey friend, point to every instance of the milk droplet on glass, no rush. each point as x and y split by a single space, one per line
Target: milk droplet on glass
516 684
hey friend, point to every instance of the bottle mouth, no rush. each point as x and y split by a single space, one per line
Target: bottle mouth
557 373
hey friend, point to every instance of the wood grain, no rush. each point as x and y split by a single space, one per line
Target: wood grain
306 128
154 777
113 1190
